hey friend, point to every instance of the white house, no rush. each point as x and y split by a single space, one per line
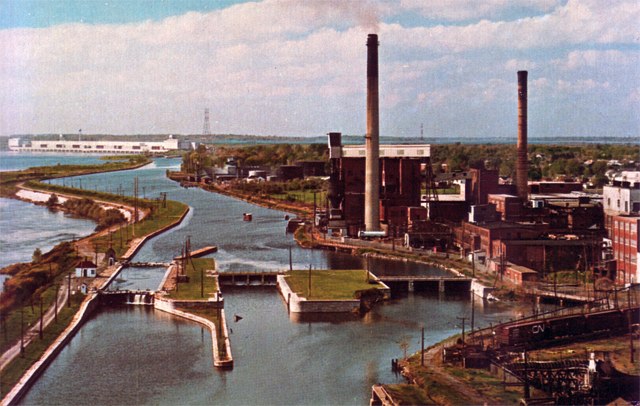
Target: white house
86 269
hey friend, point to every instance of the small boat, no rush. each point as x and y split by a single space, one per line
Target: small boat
247 216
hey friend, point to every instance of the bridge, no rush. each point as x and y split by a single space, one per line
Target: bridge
248 278
146 265
131 297
427 283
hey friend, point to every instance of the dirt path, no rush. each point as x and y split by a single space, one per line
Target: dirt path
33 332
438 375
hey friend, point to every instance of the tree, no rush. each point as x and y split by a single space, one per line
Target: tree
37 255
404 345
53 200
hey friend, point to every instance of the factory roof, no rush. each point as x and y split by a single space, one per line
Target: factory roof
389 151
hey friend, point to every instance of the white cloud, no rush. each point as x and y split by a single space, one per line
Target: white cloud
459 10
291 67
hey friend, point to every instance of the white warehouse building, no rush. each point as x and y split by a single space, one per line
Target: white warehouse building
94 147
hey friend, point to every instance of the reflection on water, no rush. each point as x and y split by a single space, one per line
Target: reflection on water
26 227
135 355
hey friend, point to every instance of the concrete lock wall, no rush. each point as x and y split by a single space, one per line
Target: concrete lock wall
296 304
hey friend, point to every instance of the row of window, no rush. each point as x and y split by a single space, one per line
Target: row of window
77 146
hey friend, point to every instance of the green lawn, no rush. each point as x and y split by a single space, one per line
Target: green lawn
329 284
192 290
14 371
10 327
302 196
157 219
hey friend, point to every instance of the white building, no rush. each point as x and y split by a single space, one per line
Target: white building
86 269
94 147
622 196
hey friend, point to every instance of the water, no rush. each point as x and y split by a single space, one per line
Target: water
139 278
136 355
26 227
13 161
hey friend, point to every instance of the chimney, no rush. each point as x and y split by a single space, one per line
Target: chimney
372 176
522 164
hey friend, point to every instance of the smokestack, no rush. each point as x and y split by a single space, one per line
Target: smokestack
522 164
372 140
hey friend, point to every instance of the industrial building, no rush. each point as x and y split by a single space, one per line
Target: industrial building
95 147
401 180
621 200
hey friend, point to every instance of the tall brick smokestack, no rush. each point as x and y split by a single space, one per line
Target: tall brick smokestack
522 164
372 140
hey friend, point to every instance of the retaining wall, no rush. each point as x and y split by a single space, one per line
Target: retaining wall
297 304
219 361
87 307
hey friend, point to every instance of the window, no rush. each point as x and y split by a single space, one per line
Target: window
608 202
99 146
626 206
155 148
43 145
135 147
75 146
618 203
59 146
87 147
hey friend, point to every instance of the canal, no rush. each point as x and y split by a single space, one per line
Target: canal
137 355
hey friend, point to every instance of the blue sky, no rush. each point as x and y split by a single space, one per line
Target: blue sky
45 13
289 67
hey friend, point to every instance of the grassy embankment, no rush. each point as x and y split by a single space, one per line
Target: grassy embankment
14 371
329 284
10 179
158 218
434 390
30 281
195 290
196 269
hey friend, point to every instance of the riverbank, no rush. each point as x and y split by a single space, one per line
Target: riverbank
195 295
86 247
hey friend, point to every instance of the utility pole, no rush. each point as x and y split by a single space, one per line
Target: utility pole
69 290
473 311
309 282
527 391
135 206
290 259
313 220
462 319
21 330
40 318
422 351
55 304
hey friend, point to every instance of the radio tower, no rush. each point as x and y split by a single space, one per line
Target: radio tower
206 128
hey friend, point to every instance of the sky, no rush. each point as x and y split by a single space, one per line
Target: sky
298 68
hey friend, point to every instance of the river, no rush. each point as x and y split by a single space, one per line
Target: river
134 354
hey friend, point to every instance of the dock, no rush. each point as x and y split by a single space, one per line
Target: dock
199 252
427 283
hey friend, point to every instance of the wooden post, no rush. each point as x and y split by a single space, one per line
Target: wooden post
21 330
463 319
309 289
290 260
55 311
40 332
422 352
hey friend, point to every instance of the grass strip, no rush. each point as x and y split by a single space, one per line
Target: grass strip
196 268
329 284
14 371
